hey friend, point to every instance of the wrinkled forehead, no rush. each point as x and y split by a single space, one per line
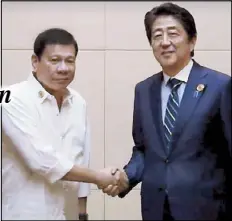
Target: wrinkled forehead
59 50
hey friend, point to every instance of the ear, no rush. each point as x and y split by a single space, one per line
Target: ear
193 43
34 62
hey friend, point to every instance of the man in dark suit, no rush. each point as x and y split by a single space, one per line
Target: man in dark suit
181 128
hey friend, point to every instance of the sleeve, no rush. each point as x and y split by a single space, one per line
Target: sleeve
84 188
23 131
226 113
135 167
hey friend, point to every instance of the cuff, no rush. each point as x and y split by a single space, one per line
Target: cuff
62 167
131 185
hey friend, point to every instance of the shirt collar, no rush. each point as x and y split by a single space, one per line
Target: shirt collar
183 75
42 94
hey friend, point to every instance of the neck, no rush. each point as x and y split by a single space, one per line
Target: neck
59 99
59 96
171 71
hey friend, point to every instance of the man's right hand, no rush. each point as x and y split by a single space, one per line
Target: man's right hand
105 178
122 185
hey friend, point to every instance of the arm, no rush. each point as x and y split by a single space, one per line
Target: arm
226 113
24 132
134 168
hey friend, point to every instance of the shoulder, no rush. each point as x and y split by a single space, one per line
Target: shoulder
21 107
147 82
218 80
16 89
24 102
19 95
217 76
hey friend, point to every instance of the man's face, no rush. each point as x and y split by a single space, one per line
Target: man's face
56 67
170 43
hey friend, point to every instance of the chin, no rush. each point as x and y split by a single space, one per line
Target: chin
61 86
168 63
58 88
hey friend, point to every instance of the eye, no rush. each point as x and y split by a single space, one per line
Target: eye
54 60
71 61
156 36
173 34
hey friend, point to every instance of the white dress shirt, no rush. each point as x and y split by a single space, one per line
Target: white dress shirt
40 145
183 76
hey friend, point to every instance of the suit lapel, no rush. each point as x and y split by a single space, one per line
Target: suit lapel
190 98
156 108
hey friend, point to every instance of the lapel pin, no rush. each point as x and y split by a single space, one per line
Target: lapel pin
41 94
200 88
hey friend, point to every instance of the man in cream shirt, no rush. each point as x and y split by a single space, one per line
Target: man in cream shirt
45 131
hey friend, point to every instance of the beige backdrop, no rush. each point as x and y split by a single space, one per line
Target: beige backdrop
114 55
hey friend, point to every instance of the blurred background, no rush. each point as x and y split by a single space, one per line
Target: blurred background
114 55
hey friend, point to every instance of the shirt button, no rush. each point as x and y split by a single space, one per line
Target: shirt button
166 160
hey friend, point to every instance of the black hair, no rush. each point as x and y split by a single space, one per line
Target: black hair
53 36
179 13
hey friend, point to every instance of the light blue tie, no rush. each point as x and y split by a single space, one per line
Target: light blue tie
171 110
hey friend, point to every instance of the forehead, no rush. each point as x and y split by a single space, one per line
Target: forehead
166 22
59 50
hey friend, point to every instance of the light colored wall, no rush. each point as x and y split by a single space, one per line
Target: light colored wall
114 55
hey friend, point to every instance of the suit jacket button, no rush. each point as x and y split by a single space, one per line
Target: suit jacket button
166 160
160 189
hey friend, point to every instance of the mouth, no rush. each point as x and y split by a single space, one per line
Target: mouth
64 80
167 52
61 79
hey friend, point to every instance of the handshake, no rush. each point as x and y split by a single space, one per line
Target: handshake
112 181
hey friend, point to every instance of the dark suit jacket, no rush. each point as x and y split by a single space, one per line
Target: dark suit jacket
196 172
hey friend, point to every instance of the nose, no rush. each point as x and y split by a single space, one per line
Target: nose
62 67
165 41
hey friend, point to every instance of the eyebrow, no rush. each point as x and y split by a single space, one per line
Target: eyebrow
57 55
169 28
